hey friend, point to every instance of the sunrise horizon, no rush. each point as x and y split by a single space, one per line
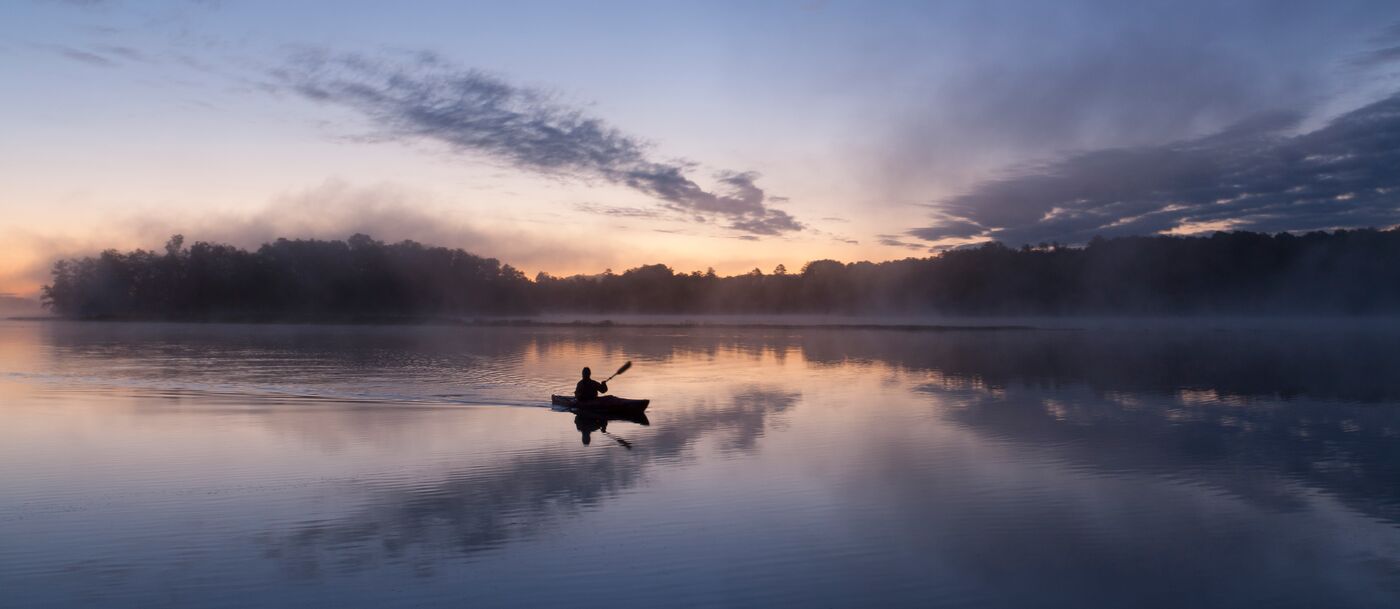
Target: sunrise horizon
209 120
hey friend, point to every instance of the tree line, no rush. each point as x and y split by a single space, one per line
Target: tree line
1339 272
285 279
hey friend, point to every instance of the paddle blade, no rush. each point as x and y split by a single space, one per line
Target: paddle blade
625 367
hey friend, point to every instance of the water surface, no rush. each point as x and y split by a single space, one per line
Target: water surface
1202 465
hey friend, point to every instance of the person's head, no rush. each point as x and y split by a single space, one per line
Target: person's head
587 373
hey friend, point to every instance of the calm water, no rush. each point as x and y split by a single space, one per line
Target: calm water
295 466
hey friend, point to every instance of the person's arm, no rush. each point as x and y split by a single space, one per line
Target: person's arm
603 387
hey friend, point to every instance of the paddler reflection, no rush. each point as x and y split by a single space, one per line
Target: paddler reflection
587 423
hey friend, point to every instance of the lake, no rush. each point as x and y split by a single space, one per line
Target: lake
1173 464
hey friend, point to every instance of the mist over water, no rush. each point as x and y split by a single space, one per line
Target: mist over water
1203 464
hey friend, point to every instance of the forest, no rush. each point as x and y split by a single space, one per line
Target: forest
1344 272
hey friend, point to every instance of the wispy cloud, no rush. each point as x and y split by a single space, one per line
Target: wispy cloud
1252 177
1032 80
83 56
896 241
948 228
84 3
618 212
124 52
424 96
98 55
1378 57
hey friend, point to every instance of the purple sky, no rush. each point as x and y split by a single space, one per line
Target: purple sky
571 137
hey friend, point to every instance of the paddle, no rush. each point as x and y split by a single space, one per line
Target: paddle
625 367
625 444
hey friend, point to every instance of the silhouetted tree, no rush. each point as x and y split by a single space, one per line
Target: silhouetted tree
1343 272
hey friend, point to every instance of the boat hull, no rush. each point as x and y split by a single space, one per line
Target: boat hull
607 404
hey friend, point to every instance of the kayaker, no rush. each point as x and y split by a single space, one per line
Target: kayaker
587 388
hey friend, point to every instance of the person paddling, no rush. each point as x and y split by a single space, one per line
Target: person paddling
587 388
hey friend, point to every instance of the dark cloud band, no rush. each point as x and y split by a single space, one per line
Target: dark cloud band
426 97
1345 174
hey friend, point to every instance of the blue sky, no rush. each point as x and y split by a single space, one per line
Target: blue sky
725 134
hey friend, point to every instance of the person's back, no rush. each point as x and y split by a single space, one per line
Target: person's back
587 388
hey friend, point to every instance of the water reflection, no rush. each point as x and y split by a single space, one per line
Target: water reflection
1254 449
589 422
1133 466
1340 362
478 509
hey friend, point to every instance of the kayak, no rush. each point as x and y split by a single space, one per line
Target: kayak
591 417
609 404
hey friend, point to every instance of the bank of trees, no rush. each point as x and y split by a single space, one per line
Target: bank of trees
291 279
1342 272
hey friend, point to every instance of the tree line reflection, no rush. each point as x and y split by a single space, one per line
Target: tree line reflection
1257 412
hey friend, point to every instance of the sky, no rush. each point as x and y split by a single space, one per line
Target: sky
571 137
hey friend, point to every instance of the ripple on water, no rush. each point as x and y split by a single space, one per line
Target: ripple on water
309 466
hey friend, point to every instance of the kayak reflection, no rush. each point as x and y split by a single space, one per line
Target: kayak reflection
588 422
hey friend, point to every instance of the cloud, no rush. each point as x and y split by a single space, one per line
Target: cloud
470 111
124 52
617 212
332 210
99 55
1251 177
1023 82
948 229
894 241
388 212
1378 57
1391 33
84 56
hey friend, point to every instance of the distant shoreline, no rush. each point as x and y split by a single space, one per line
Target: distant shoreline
786 322
516 322
1233 274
